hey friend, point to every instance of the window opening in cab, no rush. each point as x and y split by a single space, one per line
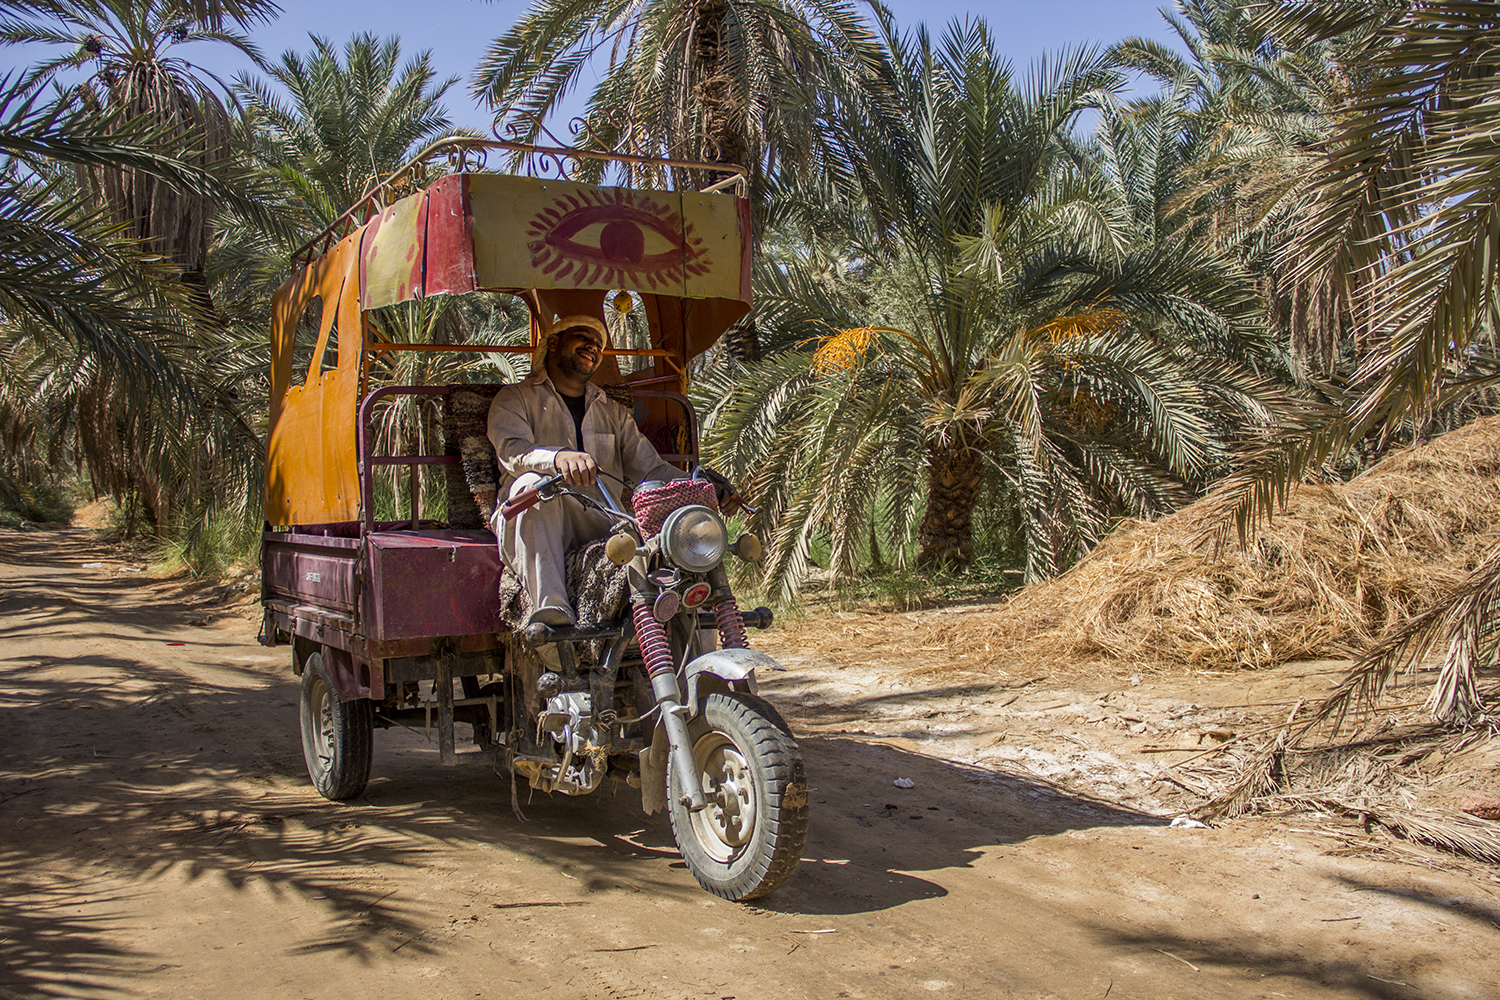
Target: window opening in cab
330 360
306 339
503 320
413 424
629 330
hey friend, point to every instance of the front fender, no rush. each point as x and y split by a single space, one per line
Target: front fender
735 667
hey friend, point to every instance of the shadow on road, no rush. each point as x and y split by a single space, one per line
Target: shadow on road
874 846
142 771
122 764
1265 961
48 948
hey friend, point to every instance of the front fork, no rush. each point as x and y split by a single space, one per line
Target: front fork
657 652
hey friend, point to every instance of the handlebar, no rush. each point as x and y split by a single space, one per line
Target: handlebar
729 497
551 487
730 501
521 501
527 498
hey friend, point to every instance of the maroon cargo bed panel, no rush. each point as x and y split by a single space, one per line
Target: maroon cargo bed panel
311 569
432 583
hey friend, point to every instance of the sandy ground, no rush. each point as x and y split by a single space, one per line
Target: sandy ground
158 837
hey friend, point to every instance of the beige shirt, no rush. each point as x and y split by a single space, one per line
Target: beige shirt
529 424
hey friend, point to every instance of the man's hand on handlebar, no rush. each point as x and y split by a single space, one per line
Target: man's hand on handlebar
554 486
577 468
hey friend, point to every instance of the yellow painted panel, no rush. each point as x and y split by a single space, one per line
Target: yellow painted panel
393 255
531 233
286 310
712 230
311 453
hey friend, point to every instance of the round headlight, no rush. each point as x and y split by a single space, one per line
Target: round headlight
694 538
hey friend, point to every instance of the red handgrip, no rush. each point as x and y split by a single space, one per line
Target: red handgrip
521 501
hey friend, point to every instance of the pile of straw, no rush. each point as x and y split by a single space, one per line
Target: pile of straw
1333 569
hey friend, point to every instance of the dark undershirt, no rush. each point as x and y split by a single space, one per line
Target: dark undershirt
576 406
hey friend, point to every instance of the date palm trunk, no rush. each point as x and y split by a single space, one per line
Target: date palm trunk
724 136
946 536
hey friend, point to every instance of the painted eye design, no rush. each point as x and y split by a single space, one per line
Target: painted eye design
616 238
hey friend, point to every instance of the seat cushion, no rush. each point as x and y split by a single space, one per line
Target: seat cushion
474 483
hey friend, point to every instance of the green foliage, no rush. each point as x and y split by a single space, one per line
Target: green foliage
1400 213
208 545
717 81
990 322
351 118
106 206
107 360
127 42
40 502
1392 215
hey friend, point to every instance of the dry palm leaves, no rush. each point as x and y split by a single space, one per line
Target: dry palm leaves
1450 831
1378 777
1396 563
1385 762
1339 566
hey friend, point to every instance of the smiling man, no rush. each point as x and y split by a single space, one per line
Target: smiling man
557 422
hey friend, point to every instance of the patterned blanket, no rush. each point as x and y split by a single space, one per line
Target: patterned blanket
599 588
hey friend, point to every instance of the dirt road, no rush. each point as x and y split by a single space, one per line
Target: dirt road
158 837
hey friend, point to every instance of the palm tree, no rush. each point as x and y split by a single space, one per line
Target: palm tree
144 101
103 364
999 331
1403 212
346 122
127 45
722 81
1252 112
1156 145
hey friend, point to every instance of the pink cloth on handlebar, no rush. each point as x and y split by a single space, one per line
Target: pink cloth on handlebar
651 507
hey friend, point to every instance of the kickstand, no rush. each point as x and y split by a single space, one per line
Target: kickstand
515 799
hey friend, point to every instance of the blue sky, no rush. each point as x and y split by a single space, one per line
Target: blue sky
459 31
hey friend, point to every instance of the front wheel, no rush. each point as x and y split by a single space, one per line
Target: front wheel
338 738
749 838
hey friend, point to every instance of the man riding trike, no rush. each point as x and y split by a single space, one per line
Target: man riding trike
615 649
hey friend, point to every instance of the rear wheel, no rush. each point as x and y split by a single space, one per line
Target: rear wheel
338 738
749 838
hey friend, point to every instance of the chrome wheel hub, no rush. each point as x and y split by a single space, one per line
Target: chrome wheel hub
727 823
323 726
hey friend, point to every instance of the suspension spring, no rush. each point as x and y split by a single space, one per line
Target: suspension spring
731 625
653 639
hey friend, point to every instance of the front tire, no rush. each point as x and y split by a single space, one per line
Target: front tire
338 737
748 840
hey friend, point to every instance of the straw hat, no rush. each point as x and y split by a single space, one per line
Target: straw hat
563 325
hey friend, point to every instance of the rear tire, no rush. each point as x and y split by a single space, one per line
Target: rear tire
338 738
749 838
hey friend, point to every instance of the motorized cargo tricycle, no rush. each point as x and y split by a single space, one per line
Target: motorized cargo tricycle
400 622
